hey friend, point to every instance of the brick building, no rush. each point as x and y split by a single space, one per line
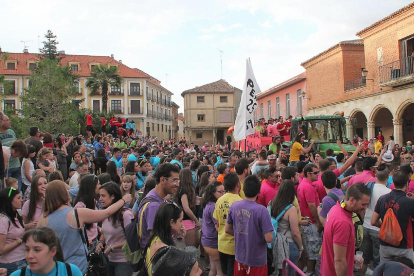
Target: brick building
285 99
371 79
150 110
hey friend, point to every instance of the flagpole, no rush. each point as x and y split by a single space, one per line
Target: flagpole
245 146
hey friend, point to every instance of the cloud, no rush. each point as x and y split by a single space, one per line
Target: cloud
266 24
219 28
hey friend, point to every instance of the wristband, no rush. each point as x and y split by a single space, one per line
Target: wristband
301 249
111 247
123 201
19 241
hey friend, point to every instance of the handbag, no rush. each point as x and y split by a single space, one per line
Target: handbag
97 262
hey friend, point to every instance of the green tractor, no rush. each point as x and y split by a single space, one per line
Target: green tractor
325 130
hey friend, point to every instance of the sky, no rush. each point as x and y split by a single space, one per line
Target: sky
182 43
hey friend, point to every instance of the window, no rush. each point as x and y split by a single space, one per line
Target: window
277 107
116 90
269 109
199 135
75 67
78 103
9 87
96 106
93 67
200 117
32 66
113 66
223 99
11 66
153 127
116 106
146 89
135 106
158 127
162 128
287 105
135 88
200 99
225 116
299 111
10 105
76 84
261 110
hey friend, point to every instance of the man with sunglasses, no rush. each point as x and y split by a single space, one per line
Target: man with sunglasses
308 203
270 186
168 181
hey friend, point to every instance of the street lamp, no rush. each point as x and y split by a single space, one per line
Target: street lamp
364 73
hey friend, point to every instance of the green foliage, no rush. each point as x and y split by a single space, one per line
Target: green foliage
49 49
102 78
50 102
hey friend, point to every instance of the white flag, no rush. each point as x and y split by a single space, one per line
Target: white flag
248 104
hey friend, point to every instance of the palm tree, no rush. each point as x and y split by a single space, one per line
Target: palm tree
103 77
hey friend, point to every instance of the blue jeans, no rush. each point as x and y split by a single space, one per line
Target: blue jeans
119 269
293 256
16 173
12 267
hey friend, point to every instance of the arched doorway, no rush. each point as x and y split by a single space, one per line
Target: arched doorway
359 122
407 116
383 120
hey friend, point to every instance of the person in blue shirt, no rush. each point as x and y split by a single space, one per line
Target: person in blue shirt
178 156
194 167
115 156
97 144
134 155
156 158
143 173
44 255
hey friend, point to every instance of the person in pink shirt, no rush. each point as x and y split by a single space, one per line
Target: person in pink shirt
368 175
325 165
269 188
271 129
32 209
308 202
338 247
409 171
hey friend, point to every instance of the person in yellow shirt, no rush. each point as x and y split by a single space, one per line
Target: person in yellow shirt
243 170
377 145
297 149
226 245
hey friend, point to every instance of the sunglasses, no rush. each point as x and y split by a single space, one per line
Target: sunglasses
174 180
10 191
170 202
315 172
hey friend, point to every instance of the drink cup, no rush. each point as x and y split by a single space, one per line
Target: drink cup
358 260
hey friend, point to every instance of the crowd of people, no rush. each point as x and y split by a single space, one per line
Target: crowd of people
66 198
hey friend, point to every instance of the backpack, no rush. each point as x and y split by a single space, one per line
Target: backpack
68 270
370 185
133 234
390 231
275 223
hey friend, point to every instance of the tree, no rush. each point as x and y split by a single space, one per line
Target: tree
49 49
49 102
102 77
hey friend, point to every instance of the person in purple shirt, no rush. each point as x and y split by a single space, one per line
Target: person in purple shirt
334 194
209 238
168 181
252 228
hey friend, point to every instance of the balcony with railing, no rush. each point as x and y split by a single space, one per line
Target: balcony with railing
149 96
356 83
149 113
169 103
116 91
397 73
135 110
119 110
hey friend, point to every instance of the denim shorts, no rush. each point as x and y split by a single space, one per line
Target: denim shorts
11 267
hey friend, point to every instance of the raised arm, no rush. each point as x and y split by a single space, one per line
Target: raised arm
351 159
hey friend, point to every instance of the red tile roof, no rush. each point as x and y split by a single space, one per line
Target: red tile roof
84 69
391 16
220 86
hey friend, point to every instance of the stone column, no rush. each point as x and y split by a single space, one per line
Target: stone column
371 129
398 131
349 129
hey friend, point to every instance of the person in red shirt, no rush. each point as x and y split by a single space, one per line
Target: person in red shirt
338 247
281 127
288 124
89 125
270 186
114 123
380 137
103 125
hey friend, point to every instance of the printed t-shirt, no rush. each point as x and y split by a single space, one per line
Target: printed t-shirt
377 192
116 235
12 233
392 268
149 216
221 210
307 194
209 237
364 177
37 214
338 230
251 221
319 185
268 191
404 211
61 271
328 202
295 152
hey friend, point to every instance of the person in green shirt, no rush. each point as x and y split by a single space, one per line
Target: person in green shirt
275 145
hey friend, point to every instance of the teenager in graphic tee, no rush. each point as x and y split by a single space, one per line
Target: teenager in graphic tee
252 228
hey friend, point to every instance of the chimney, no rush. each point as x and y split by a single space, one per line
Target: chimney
62 53
25 50
112 55
120 61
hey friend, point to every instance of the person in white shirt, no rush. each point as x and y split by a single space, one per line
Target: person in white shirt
74 180
370 244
